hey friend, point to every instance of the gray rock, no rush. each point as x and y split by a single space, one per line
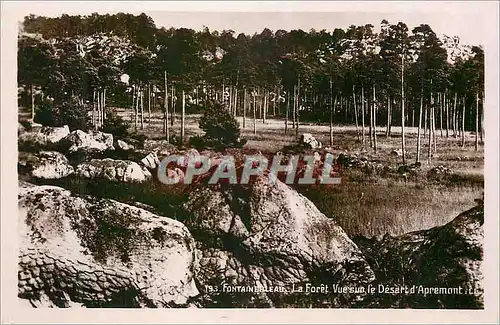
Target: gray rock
124 146
46 164
115 170
82 141
449 256
44 136
308 140
265 226
140 242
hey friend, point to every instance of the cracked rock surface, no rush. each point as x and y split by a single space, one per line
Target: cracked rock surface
269 236
100 253
446 257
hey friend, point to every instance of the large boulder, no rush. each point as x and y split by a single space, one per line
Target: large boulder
79 141
45 164
270 236
442 265
100 253
44 136
115 170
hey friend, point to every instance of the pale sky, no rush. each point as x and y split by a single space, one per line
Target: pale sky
473 21
468 27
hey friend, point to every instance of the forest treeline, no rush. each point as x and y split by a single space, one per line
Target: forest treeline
392 77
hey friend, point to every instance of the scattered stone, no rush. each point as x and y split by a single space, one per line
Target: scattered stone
115 170
124 146
44 136
397 152
81 141
308 140
45 164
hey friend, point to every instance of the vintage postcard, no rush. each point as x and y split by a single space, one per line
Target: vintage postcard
250 162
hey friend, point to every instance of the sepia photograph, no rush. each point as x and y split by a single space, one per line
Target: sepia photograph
247 159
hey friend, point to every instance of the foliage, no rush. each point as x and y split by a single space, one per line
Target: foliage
115 125
326 63
70 113
219 125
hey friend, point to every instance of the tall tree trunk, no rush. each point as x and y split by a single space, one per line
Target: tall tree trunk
477 122
174 102
403 145
481 132
142 109
32 103
297 109
413 116
374 120
235 101
331 112
455 114
149 104
93 107
255 114
434 137
429 149
332 108
426 119
294 105
463 122
103 106
388 130
447 113
274 102
260 109
419 126
165 111
287 110
137 107
391 103
370 128
244 108
133 104
183 117
441 96
98 112
363 115
355 111
265 107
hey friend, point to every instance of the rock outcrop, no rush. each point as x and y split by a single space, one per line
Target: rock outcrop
269 236
100 253
446 258
115 170
79 141
43 136
45 164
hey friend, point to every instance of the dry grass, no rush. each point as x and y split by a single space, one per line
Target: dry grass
393 208
384 206
372 209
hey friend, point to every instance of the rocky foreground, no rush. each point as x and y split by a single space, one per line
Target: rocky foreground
256 245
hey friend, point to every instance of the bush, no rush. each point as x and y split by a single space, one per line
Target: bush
115 125
220 126
70 113
44 113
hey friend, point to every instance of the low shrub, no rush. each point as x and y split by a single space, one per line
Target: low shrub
71 113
